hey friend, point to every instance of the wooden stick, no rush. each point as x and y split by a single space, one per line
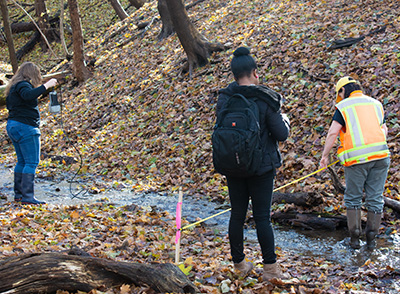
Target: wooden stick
178 228
62 37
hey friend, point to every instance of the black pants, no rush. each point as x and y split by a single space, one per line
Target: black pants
259 189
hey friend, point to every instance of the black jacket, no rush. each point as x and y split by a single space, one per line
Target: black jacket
22 103
274 127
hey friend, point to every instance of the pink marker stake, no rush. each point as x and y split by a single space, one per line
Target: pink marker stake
178 227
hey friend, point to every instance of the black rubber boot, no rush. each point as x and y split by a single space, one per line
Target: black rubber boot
372 228
27 186
354 226
17 187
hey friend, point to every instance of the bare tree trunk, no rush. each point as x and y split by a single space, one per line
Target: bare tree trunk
80 71
10 41
119 9
197 47
167 28
137 3
43 22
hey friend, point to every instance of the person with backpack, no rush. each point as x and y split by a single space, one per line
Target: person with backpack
360 121
245 150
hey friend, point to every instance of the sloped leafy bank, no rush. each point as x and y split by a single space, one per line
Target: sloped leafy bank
138 121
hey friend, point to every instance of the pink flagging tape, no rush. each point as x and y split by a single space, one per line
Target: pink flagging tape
178 221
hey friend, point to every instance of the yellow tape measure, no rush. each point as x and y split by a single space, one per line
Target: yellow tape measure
277 189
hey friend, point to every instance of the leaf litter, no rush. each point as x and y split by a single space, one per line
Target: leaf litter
139 122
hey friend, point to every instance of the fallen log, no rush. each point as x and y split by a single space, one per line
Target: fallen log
28 47
49 272
21 27
24 26
301 198
391 203
342 43
310 221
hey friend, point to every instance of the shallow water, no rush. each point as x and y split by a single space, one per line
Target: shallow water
329 245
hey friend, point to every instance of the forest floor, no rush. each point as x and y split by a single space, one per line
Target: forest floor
139 123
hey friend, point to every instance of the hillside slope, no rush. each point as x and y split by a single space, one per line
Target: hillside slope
140 124
139 121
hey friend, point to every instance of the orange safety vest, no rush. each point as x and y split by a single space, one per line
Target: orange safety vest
362 139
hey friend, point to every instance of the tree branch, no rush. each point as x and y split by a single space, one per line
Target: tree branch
44 37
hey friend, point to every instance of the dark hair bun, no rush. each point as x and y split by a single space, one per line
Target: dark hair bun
241 51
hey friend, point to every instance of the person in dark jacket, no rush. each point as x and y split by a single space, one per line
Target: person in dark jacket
274 127
23 122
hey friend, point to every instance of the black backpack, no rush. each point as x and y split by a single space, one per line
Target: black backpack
236 141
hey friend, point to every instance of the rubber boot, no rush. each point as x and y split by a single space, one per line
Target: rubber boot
272 271
372 228
27 188
17 187
244 267
354 226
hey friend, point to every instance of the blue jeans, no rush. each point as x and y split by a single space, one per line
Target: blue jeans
369 177
259 189
26 141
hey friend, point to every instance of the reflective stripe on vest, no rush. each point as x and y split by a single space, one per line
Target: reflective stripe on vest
364 139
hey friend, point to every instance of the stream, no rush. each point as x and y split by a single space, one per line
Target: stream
329 245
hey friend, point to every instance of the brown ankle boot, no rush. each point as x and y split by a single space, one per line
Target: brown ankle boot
243 267
272 271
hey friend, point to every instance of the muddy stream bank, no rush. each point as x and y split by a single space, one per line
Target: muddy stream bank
329 245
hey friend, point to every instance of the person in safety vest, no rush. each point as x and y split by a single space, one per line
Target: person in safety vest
363 151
